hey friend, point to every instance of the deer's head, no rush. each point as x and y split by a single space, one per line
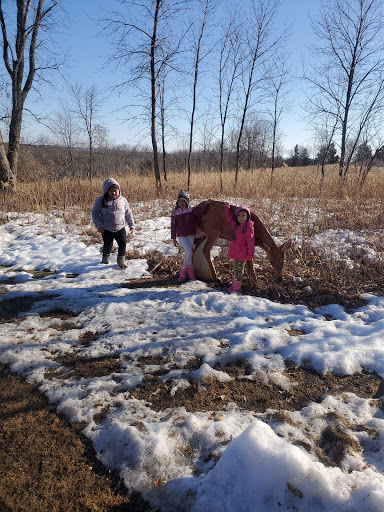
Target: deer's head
276 258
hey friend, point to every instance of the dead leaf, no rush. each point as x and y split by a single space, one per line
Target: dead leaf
294 491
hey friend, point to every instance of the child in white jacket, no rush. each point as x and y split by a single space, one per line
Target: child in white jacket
110 213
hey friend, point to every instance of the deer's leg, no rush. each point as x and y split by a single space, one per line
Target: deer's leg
202 262
251 276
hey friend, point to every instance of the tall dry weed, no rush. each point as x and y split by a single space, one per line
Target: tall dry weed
294 202
286 183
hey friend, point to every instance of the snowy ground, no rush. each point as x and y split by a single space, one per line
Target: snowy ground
255 462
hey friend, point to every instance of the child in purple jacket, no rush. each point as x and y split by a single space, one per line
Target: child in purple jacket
183 226
242 245
110 213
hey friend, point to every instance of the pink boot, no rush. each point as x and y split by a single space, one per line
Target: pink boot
183 275
190 272
235 287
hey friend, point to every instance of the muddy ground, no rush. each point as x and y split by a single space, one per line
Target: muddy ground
46 465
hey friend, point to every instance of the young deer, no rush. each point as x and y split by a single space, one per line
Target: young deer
213 225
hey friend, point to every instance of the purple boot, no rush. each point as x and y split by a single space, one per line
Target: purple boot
190 272
235 287
183 275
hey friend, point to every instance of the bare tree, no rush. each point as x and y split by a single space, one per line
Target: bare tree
260 43
198 57
66 129
138 35
88 104
162 88
276 90
168 78
229 65
32 17
348 77
256 141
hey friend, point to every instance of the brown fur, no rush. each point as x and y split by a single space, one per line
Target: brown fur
214 225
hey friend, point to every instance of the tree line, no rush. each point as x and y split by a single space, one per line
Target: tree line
48 161
165 47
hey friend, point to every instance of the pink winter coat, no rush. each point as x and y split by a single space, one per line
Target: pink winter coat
242 246
183 222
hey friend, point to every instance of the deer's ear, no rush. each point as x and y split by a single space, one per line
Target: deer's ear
286 246
265 247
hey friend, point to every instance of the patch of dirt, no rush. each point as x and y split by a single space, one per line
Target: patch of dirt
36 274
257 395
46 466
11 308
313 289
334 444
82 368
63 314
87 337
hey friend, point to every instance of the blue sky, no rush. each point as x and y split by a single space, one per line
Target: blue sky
88 51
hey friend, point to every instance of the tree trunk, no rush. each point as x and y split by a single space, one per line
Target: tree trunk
7 177
197 62
14 62
153 99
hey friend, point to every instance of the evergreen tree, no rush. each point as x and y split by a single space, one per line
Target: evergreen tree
295 159
304 157
327 154
363 154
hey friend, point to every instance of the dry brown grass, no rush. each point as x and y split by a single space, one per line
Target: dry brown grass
288 183
45 466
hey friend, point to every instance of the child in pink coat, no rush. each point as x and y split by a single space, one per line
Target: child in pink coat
242 245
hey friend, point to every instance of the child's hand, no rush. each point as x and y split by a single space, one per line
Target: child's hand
175 243
132 231
100 229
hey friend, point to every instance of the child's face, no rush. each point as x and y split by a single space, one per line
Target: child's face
182 203
113 192
242 217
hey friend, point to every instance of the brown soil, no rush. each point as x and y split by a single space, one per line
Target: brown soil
47 466
256 395
320 284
